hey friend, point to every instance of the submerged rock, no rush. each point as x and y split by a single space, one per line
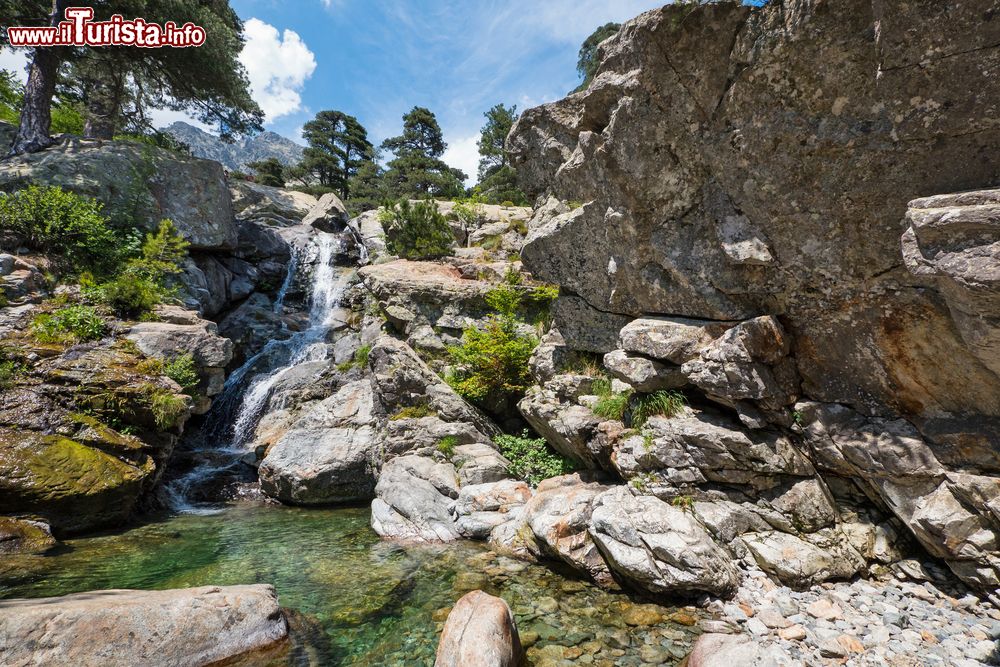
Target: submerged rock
191 627
480 632
24 536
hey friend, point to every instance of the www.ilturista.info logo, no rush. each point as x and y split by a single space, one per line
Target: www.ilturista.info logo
79 30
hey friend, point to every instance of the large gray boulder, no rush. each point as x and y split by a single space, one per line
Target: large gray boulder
141 182
658 547
184 333
659 146
554 525
480 632
183 627
414 498
328 455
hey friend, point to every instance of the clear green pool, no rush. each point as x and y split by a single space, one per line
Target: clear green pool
361 601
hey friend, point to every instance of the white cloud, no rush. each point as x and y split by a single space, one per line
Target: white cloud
464 154
15 60
278 65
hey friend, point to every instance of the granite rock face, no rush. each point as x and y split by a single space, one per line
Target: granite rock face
761 218
146 183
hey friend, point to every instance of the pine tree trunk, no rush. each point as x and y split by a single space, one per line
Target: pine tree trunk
36 110
104 98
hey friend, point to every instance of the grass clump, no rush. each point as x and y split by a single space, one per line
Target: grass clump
72 324
167 407
613 406
358 360
531 459
417 230
665 403
633 408
685 503
181 369
414 412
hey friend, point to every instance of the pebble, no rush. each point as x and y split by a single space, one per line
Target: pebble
824 609
874 623
756 627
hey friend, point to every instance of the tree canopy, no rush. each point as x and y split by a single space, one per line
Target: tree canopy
492 155
338 148
587 62
497 181
417 169
269 171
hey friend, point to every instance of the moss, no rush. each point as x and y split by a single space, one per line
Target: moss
70 484
414 412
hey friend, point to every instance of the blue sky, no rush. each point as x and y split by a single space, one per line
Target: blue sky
376 59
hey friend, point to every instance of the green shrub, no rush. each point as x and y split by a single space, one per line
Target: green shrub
508 203
666 403
492 362
73 324
446 446
471 213
416 231
70 228
181 369
11 367
613 406
531 459
143 282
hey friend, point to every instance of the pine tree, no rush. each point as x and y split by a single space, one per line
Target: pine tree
269 171
338 147
119 85
417 169
587 62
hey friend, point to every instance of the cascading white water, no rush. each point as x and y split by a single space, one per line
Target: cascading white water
328 286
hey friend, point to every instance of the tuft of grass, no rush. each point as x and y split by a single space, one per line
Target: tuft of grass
647 441
359 360
666 403
181 369
414 412
612 406
685 503
166 406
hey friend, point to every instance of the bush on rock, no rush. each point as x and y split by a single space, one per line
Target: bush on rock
416 230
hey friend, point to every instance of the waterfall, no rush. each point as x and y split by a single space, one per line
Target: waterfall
238 409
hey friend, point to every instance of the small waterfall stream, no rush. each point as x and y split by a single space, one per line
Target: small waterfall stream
235 413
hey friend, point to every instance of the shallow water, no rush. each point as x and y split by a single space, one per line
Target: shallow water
362 601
